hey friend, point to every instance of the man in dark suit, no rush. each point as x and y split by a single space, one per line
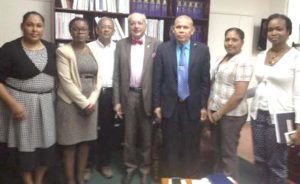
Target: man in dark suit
180 92
132 95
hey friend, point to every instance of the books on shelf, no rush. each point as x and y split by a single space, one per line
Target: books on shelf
155 28
149 7
191 8
114 6
62 21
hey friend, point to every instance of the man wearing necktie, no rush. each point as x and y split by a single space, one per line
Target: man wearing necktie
180 92
132 95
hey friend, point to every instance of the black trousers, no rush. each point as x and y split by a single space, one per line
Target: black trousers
181 144
106 134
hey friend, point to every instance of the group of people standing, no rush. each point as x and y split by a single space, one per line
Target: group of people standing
71 96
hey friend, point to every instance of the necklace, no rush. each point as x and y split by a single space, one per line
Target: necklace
274 57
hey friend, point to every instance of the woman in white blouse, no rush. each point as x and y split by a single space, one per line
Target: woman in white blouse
277 92
227 102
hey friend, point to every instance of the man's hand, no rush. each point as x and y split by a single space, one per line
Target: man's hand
203 114
119 111
157 113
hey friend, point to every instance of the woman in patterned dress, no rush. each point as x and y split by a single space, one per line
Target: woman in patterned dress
78 90
27 122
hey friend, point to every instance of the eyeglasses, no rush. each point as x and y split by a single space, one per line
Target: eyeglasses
76 30
106 27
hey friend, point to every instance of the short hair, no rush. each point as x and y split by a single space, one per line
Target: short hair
103 19
237 30
27 14
287 20
136 13
185 17
72 22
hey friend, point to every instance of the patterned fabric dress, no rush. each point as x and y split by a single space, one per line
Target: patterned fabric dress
30 138
73 126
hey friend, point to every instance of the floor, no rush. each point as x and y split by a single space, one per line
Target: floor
245 148
245 152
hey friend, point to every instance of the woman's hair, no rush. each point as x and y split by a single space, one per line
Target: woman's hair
237 30
288 22
72 22
26 15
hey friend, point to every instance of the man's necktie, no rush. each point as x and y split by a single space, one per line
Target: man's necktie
182 75
136 41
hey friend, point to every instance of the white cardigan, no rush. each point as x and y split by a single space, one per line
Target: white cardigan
69 86
282 82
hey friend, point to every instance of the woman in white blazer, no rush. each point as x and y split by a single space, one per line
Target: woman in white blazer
78 90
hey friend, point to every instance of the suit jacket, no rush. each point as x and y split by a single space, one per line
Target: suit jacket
121 76
69 86
165 78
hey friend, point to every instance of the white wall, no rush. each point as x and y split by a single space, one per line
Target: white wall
240 9
294 14
12 11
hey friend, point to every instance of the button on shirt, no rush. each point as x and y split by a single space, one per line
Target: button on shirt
106 56
136 63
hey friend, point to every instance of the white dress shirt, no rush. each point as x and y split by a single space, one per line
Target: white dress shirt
105 56
136 63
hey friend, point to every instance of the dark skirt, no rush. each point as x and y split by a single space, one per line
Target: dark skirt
29 161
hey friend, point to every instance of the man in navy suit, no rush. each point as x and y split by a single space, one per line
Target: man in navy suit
180 92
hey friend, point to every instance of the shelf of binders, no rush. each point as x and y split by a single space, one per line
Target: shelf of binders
160 16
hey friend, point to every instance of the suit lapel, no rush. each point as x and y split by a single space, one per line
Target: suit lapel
193 48
147 54
127 56
173 56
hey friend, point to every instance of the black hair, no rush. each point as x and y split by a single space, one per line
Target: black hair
27 14
288 22
237 30
72 22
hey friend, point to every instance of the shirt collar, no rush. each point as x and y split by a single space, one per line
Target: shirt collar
187 44
103 46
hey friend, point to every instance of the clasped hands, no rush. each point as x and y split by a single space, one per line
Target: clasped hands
214 116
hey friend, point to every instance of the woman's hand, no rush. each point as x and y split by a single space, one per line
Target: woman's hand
209 114
18 111
90 109
216 116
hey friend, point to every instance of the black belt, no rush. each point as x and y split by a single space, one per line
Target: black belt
87 76
136 89
34 92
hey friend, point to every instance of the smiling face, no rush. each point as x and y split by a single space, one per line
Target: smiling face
233 42
137 25
183 29
79 31
277 31
32 28
105 29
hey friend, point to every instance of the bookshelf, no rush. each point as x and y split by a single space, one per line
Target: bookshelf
160 16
